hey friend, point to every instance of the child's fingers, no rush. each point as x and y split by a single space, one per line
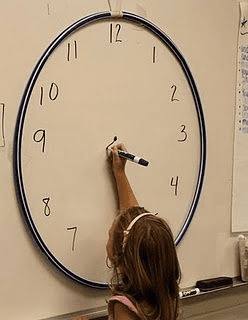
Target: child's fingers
121 146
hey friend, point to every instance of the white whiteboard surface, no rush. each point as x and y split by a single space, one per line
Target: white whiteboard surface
206 32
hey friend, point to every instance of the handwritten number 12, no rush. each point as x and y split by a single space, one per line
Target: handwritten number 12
114 32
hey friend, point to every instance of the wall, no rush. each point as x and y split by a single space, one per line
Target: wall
206 32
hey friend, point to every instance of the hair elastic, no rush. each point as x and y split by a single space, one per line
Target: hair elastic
126 232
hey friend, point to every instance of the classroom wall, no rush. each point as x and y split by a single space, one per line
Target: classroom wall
206 32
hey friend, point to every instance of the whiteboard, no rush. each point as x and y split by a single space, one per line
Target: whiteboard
208 248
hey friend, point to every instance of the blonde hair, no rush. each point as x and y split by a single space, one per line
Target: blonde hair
148 270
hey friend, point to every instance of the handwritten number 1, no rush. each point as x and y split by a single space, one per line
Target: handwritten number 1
153 54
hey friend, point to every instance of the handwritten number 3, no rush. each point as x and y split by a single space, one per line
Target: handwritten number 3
185 136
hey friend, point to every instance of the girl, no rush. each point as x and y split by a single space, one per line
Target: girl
146 272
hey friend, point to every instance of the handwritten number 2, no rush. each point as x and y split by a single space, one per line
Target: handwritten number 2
174 89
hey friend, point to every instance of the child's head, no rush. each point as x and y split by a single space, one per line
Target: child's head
146 267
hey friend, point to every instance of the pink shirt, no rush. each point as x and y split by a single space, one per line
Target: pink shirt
122 299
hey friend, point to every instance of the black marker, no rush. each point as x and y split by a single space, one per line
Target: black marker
133 158
189 293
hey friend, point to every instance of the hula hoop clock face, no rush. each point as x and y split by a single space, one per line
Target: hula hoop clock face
102 77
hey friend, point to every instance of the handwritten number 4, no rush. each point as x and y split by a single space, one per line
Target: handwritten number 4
175 184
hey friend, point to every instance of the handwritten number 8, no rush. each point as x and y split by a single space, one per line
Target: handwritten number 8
47 210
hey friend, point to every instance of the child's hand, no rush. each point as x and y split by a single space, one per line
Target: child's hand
118 163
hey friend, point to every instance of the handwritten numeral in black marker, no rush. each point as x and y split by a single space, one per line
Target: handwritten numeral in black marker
114 33
74 229
40 137
72 50
2 138
184 134
153 54
243 25
173 95
52 93
174 184
47 210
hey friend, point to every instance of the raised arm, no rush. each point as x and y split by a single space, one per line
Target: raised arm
125 193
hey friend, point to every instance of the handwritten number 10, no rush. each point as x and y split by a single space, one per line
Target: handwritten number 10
52 94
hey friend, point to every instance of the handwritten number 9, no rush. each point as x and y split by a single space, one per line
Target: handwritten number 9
40 137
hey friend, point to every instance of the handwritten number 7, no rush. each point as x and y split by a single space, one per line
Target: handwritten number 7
74 236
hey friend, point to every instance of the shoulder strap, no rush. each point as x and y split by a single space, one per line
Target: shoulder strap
124 300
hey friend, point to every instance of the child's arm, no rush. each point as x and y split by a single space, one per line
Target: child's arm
125 193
